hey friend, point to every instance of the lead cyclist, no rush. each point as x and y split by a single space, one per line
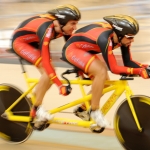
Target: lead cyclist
103 37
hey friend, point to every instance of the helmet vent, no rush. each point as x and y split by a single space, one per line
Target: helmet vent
60 16
117 28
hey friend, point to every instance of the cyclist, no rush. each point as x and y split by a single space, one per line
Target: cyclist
103 37
31 42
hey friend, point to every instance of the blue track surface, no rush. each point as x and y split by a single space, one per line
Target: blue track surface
89 140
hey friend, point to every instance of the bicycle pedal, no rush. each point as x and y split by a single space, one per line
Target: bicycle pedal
40 126
95 128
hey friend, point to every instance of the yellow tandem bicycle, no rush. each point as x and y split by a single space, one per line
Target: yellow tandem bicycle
131 120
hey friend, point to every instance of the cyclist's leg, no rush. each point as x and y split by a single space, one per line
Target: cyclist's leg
107 75
42 115
72 55
99 72
90 65
26 50
81 110
42 86
82 107
33 55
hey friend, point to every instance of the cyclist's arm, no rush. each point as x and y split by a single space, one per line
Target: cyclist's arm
45 52
105 44
127 59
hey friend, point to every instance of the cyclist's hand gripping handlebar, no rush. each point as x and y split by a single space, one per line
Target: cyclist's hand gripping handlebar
148 71
145 72
66 90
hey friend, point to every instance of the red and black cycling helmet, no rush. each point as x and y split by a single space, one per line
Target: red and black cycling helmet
123 24
65 13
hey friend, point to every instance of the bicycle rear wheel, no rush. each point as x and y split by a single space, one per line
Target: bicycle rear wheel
125 127
14 131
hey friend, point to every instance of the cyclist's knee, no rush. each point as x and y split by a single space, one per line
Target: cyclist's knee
45 80
98 68
40 69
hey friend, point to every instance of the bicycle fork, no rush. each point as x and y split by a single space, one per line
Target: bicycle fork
128 95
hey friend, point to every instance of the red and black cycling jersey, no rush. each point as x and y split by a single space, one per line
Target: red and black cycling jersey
98 38
37 32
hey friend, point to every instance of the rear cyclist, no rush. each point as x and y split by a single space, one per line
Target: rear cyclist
31 41
103 37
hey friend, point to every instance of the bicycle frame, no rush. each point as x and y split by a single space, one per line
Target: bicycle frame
118 86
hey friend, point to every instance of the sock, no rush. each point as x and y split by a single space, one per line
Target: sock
33 111
82 107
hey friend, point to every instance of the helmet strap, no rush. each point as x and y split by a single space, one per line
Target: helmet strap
120 38
62 29
59 26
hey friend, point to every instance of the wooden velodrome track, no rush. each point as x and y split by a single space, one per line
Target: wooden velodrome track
60 137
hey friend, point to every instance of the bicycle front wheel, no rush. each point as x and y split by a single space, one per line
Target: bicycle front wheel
14 131
125 127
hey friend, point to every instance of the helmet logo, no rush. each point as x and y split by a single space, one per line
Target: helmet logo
60 16
117 28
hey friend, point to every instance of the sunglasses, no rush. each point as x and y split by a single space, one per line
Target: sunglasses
129 36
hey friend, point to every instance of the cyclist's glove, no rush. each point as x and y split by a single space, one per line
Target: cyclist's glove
148 71
145 72
65 90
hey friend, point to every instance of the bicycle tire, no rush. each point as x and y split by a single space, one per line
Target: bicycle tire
14 132
125 127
